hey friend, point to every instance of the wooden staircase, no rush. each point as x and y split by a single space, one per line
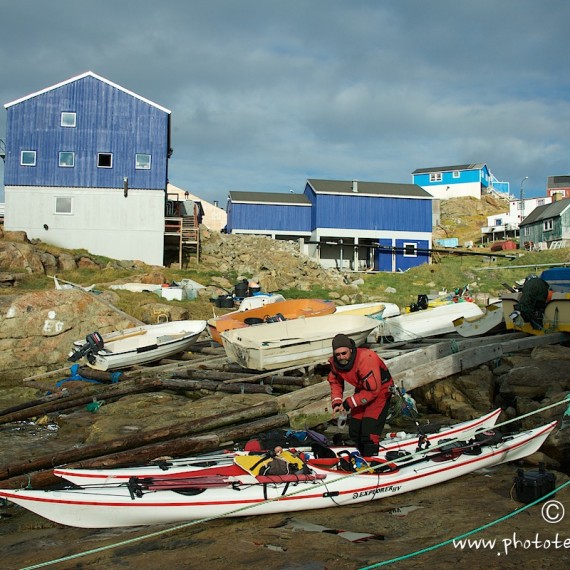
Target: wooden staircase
187 230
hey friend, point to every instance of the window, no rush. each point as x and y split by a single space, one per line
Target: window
435 177
67 159
104 160
456 174
142 161
68 119
28 158
63 204
548 225
410 250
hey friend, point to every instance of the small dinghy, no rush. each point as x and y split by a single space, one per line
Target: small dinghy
295 342
137 345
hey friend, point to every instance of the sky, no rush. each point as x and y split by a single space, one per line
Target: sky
266 94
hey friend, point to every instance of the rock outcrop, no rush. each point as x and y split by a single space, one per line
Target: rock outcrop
37 329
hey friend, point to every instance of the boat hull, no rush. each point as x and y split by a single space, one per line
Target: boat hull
144 344
374 310
115 506
491 320
260 300
293 343
556 317
426 323
291 309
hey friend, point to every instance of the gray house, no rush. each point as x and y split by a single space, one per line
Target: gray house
546 224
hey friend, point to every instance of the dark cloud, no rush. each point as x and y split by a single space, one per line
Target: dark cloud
266 94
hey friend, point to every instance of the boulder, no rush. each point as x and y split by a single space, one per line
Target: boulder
20 256
534 379
461 397
37 329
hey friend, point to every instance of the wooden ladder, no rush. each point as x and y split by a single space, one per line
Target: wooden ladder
189 238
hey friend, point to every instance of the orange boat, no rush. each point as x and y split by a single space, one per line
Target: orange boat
273 312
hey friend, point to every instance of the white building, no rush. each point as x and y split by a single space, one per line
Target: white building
506 225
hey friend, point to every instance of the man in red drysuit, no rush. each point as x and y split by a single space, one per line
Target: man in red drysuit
369 405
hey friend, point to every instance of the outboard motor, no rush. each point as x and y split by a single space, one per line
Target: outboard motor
93 344
423 302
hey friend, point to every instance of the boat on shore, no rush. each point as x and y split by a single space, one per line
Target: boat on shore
426 323
239 489
270 313
259 300
185 467
542 305
379 310
138 345
490 321
295 342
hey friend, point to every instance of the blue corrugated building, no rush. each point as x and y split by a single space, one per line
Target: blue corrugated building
87 167
278 215
344 224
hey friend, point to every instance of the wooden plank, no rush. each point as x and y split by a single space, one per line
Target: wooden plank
447 366
189 445
111 392
180 430
213 386
470 358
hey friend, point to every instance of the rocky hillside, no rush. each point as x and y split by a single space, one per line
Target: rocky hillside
275 264
463 218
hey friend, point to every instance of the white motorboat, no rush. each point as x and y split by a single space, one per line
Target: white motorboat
426 323
137 345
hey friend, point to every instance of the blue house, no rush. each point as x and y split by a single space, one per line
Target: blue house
344 224
459 181
87 167
278 215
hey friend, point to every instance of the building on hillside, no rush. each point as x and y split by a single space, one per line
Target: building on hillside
547 226
87 167
213 217
273 214
349 225
558 187
459 181
506 225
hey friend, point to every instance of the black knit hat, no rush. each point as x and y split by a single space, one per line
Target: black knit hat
342 340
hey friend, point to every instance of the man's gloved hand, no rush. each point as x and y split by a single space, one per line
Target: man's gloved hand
346 405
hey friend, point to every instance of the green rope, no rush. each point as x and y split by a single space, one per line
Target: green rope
241 509
465 535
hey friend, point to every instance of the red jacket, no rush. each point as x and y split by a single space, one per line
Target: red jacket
371 379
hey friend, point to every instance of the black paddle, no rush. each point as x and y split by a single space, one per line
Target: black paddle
446 451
